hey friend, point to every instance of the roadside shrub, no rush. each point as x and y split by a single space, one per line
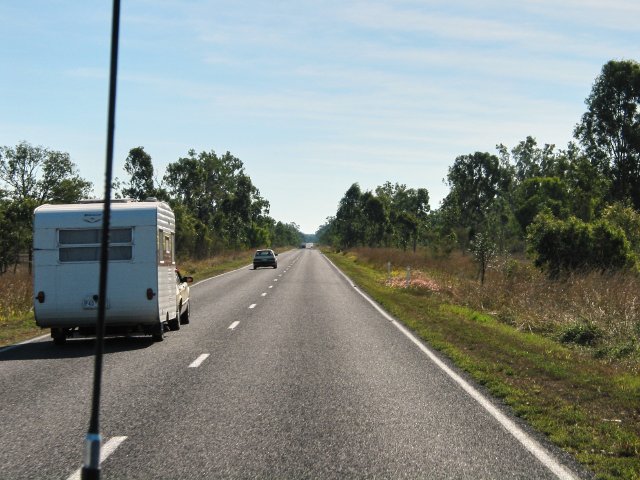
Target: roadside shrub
564 246
582 333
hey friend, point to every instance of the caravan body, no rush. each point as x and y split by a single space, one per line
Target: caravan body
141 285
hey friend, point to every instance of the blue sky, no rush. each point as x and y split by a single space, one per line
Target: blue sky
311 95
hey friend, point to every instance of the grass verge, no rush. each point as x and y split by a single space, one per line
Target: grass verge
18 328
589 408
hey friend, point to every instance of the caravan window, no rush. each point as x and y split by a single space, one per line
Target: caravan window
165 247
83 245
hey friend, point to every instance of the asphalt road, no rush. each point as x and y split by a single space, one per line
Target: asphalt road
287 373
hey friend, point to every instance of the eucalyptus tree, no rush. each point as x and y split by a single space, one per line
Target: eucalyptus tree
476 181
142 181
31 176
610 128
350 223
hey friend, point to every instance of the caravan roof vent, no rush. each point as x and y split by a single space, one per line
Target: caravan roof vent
151 199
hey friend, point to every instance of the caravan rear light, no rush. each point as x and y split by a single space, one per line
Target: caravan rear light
40 296
150 294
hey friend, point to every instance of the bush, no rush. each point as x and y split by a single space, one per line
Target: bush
581 334
563 246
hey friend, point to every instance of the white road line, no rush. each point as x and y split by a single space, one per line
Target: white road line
253 305
527 442
221 275
198 361
233 325
106 450
264 294
275 279
31 340
270 286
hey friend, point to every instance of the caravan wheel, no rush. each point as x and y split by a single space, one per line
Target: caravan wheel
157 332
59 335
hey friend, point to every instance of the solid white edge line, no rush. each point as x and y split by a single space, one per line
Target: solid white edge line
221 275
198 361
107 449
16 345
527 442
233 325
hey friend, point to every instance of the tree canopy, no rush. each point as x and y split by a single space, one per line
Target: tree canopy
572 208
29 177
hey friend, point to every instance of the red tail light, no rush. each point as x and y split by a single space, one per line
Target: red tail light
150 294
40 297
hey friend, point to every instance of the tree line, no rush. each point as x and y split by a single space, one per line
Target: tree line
217 206
573 208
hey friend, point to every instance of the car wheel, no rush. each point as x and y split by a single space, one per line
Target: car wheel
184 318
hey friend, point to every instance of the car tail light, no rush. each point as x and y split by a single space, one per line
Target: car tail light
40 296
150 294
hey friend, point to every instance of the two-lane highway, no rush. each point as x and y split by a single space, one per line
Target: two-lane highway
282 373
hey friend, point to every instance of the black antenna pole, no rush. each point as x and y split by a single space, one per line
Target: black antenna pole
93 440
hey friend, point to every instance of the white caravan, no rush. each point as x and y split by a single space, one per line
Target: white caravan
142 278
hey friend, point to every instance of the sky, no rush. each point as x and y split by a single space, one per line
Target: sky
312 96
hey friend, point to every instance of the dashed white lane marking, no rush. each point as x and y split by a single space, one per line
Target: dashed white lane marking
198 361
275 279
264 294
525 440
280 275
253 305
233 325
106 450
270 286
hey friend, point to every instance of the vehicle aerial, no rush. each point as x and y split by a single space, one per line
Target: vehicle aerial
145 293
265 258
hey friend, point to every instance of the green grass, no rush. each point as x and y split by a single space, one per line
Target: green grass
588 407
17 328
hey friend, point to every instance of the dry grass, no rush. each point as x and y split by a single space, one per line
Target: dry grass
200 269
15 293
598 311
16 314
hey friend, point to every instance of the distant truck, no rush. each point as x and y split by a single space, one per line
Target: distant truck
145 292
